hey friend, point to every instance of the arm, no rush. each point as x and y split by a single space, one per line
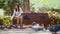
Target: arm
13 14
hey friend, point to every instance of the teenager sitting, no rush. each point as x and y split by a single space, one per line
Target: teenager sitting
17 15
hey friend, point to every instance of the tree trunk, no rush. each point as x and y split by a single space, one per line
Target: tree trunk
26 6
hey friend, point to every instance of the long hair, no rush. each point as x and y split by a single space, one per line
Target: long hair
17 9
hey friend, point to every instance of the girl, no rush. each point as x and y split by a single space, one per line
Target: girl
17 14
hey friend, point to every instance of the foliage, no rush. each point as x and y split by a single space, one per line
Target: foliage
54 20
1 21
8 5
5 20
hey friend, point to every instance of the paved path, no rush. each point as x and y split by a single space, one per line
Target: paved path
23 31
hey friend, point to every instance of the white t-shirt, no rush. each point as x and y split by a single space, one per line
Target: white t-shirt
36 26
17 13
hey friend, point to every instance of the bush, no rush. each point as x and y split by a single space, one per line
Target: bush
54 20
5 19
1 21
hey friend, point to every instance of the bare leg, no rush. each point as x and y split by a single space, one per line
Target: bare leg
21 19
18 21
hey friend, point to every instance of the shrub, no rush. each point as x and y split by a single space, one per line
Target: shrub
5 19
1 21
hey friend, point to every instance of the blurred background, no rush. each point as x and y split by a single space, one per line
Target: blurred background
52 7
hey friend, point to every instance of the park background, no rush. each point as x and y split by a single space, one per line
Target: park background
52 7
